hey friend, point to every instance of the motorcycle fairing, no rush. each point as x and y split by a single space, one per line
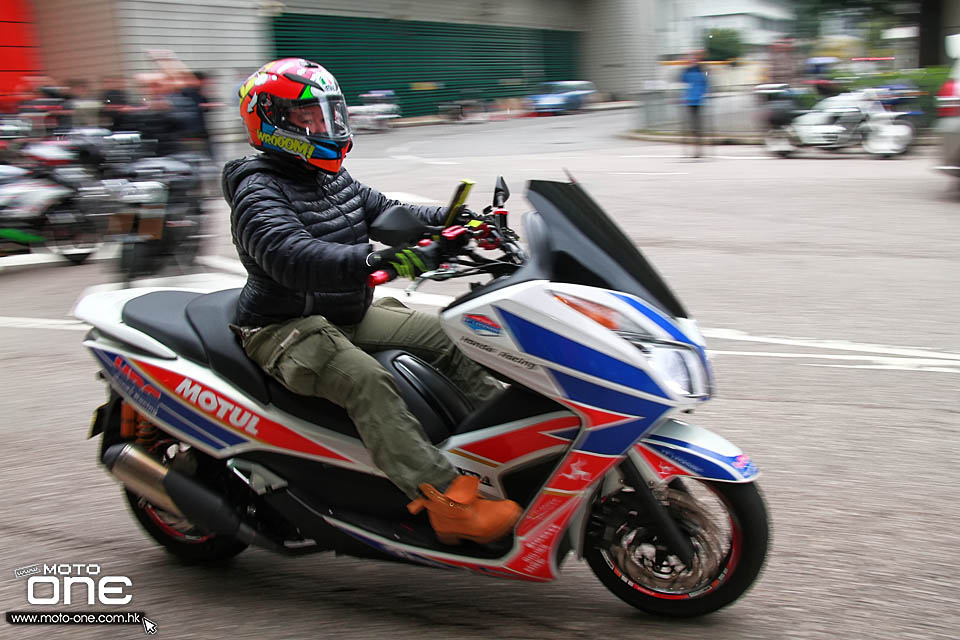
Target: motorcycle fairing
677 448
204 410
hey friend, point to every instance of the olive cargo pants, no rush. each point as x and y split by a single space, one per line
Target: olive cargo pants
312 357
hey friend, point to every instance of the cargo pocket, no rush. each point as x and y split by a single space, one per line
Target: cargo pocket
299 351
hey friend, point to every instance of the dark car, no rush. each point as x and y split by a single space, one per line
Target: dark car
562 97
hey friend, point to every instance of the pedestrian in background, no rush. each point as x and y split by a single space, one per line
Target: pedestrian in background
695 77
116 103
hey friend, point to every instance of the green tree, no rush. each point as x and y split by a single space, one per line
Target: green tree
722 44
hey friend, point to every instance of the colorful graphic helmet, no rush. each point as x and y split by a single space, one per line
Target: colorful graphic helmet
295 106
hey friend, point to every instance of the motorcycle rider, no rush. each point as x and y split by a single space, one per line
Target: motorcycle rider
300 224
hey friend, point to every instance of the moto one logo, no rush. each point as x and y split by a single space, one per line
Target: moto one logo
60 582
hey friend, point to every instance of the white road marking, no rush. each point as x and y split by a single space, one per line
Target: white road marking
878 356
424 160
41 258
832 345
870 362
676 157
15 322
652 173
410 198
220 263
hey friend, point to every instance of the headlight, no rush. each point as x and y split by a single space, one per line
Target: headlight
671 364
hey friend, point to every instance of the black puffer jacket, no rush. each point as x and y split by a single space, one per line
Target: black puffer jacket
302 237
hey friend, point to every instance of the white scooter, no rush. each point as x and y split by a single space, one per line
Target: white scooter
602 361
844 120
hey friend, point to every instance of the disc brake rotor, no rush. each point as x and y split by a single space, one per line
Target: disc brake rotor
639 553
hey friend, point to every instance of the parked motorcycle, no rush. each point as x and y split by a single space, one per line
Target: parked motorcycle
601 359
51 202
377 113
840 121
163 219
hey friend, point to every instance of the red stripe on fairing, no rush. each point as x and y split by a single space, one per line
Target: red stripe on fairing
660 465
578 471
543 507
269 432
535 553
595 417
514 444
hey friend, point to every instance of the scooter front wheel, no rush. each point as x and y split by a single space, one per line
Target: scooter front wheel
727 527
890 140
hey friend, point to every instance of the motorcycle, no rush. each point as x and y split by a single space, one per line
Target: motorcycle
840 121
52 204
600 360
377 113
163 218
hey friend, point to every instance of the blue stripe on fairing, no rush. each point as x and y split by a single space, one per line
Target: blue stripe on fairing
546 344
603 398
693 463
179 416
618 438
661 321
194 417
670 328
749 471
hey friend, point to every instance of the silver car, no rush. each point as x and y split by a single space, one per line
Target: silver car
948 112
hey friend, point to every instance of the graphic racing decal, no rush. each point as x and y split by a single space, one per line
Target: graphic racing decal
200 412
482 325
270 136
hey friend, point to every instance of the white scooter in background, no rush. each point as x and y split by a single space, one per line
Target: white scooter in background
845 120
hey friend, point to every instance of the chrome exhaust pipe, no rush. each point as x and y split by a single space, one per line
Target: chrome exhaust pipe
141 474
179 494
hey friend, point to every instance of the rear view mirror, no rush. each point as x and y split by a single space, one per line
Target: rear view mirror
500 192
397 226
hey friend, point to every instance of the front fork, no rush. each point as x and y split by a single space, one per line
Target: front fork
672 449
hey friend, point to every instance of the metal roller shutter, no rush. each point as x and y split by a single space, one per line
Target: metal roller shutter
427 63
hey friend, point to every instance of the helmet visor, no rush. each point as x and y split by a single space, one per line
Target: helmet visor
324 117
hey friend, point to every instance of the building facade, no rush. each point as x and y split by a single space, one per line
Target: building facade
427 51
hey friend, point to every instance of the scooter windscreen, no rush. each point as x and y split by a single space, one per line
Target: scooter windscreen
575 241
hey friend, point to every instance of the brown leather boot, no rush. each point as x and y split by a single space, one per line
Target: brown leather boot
462 514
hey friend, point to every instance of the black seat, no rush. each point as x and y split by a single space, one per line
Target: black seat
162 316
196 326
210 317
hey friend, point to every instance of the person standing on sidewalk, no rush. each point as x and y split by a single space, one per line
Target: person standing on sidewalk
301 224
695 77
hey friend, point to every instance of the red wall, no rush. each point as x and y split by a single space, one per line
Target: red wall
19 55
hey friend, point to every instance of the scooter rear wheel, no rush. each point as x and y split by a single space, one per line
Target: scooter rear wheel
727 527
779 142
179 537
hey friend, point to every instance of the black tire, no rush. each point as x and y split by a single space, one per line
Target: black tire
737 571
192 548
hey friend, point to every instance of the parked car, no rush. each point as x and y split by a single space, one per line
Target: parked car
562 97
948 112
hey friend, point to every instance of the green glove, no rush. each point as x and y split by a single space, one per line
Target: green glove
408 262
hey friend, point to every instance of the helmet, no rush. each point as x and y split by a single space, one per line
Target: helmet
295 106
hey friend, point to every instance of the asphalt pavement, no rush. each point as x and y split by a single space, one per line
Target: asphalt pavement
827 286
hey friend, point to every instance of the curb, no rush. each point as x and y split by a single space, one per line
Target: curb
419 121
734 138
